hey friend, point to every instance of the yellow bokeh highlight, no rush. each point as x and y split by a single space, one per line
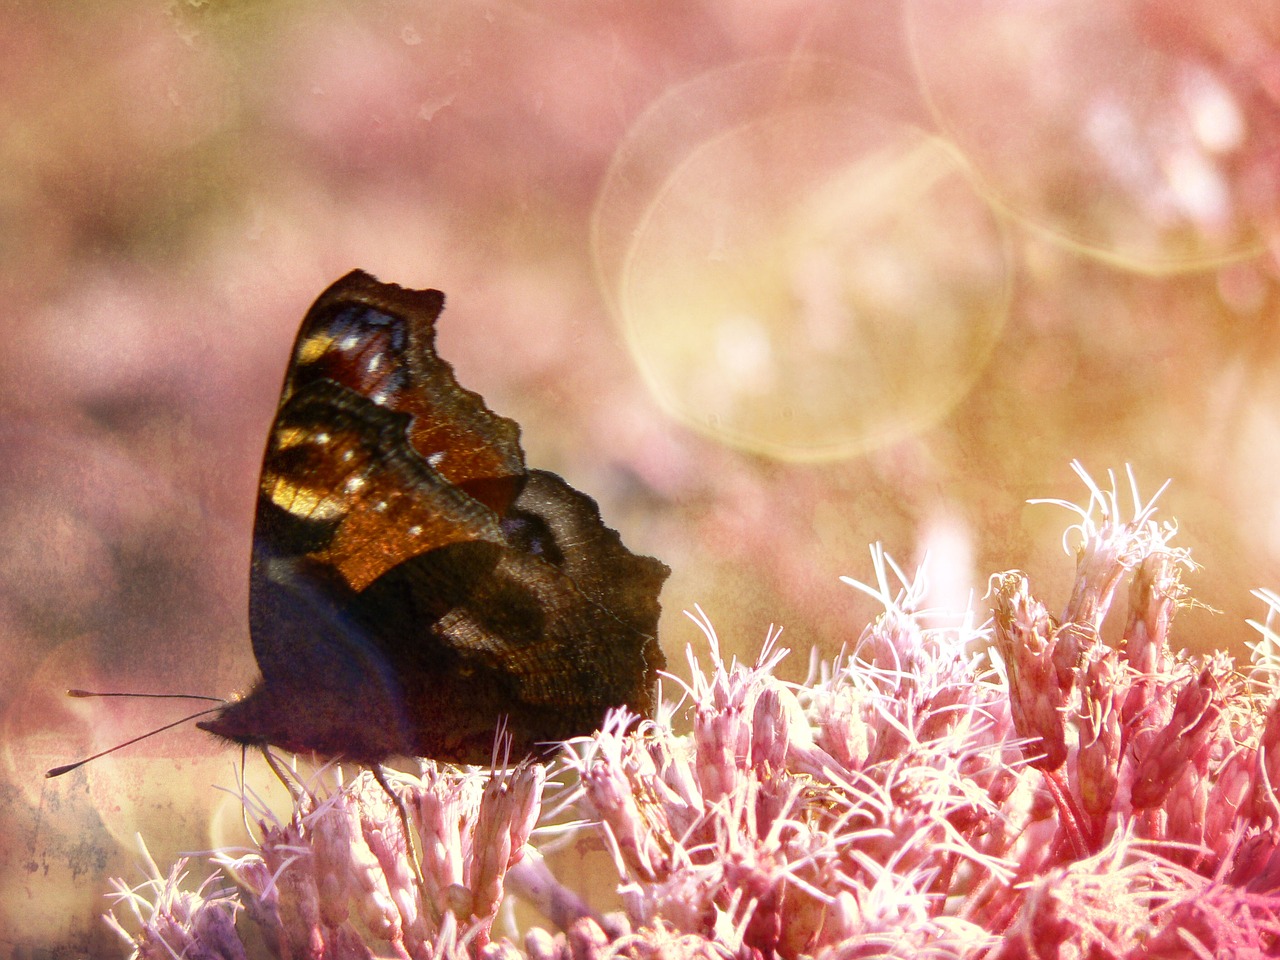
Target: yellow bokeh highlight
814 278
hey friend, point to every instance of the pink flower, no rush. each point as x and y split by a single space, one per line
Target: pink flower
1020 790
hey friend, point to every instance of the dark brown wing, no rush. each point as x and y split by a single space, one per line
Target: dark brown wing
552 628
619 607
405 566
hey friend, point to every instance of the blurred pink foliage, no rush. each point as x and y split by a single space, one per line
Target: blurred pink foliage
1020 790
181 178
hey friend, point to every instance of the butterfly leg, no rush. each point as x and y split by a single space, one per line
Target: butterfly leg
244 791
296 789
414 859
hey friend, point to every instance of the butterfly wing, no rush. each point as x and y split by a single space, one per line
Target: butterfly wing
613 598
378 340
551 628
343 497
405 565
343 490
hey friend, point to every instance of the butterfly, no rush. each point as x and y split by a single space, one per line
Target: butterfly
413 586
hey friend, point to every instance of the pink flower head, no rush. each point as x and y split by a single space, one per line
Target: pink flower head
1015 790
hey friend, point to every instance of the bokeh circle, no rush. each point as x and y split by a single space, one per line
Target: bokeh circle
801 272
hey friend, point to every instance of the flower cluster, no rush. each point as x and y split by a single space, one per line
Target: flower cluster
1022 790
339 880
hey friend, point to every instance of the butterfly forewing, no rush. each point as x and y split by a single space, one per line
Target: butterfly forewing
379 341
341 466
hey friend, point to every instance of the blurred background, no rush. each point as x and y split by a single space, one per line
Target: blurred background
771 281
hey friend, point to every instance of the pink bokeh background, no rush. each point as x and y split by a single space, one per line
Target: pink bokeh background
770 281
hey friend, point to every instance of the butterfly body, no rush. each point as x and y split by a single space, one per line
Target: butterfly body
413 585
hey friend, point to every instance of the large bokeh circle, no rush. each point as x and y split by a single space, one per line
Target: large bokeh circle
801 271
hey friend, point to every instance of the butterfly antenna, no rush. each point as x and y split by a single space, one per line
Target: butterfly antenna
146 696
67 768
